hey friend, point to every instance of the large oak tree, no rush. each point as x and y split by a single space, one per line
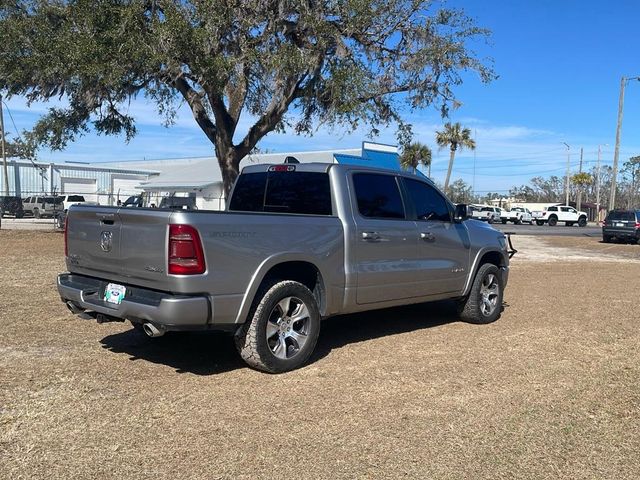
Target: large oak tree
287 65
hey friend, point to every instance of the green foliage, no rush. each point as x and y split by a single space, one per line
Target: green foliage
291 65
460 192
581 179
414 155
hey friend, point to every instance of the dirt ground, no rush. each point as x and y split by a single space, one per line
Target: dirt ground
551 390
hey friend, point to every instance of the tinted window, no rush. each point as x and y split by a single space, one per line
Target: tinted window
552 209
302 192
621 215
378 196
248 193
487 209
429 204
75 198
286 192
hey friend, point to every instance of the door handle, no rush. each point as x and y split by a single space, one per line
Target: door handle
427 236
371 236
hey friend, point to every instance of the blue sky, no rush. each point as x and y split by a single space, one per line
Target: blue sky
559 65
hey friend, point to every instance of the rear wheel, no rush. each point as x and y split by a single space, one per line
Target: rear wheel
553 221
539 223
484 302
582 222
36 213
282 330
606 238
517 221
504 221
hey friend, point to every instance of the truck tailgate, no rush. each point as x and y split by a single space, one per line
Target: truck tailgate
127 244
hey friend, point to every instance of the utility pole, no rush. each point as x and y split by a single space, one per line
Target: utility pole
4 152
581 152
566 181
616 154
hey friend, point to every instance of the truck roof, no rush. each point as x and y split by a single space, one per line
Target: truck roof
325 167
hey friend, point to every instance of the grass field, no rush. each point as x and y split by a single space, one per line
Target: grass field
549 391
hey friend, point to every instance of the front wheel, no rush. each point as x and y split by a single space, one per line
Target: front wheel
484 302
36 213
582 222
504 222
281 332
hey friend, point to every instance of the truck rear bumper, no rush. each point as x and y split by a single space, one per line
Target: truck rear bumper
140 305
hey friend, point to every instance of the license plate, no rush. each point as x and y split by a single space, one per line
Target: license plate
619 225
114 293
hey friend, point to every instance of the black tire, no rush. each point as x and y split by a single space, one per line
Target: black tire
2 213
553 221
260 351
504 222
36 213
606 238
568 224
517 221
473 309
19 215
582 222
539 223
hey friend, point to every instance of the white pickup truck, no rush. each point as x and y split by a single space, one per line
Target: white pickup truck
517 215
560 213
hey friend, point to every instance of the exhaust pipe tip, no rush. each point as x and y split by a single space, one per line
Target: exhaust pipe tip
73 308
152 331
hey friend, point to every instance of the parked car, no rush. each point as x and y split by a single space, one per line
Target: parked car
621 225
68 200
517 215
43 206
562 213
488 214
11 205
296 244
135 201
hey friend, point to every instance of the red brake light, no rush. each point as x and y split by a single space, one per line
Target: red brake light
66 229
186 256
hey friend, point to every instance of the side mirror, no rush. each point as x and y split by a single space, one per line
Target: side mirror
461 213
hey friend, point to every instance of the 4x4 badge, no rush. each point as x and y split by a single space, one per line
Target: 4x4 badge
105 241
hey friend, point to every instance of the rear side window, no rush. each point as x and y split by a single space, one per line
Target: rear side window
429 204
307 193
552 209
75 198
378 196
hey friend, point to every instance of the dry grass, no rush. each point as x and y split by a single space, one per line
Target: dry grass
548 391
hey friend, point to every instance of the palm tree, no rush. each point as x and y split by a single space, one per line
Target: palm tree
414 155
581 180
454 137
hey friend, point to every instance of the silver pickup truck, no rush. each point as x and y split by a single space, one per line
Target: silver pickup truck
297 243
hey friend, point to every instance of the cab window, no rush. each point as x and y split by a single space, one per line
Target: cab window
378 196
429 204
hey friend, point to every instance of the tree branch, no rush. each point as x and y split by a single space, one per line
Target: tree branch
194 100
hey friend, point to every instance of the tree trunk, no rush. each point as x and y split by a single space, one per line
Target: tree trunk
579 201
446 182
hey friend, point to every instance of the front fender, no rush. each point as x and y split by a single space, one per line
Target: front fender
476 265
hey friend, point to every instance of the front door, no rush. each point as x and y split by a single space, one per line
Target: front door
386 242
444 246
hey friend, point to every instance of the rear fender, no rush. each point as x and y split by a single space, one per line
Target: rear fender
328 305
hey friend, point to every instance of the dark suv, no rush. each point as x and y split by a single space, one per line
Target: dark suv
11 206
621 225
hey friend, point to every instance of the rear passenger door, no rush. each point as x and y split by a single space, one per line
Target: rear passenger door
386 240
444 246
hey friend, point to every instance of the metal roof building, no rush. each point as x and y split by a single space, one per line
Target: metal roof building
104 184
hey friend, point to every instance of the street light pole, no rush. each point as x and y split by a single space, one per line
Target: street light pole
566 182
616 154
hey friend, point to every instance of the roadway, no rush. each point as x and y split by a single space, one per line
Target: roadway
591 230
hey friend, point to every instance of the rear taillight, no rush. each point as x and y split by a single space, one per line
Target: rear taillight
66 230
637 224
185 251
